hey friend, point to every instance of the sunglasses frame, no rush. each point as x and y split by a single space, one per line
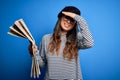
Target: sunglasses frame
69 18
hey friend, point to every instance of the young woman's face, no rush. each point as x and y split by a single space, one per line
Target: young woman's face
67 23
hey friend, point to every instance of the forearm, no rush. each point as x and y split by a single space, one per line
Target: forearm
87 40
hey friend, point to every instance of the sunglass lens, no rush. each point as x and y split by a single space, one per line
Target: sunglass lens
71 19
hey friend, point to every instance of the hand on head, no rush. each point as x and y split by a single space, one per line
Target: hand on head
70 14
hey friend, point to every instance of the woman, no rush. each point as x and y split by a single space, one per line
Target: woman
59 51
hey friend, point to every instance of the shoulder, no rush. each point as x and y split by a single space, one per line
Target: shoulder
46 39
47 36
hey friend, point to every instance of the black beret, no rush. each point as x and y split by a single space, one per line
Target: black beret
69 9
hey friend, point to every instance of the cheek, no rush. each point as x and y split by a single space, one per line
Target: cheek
62 24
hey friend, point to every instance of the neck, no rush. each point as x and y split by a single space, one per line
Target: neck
63 33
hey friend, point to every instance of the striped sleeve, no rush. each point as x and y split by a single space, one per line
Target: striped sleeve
85 39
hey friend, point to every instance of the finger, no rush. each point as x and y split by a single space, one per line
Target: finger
34 48
65 13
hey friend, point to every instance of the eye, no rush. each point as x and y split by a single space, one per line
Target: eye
69 18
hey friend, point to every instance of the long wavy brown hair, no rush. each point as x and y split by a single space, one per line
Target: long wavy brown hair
71 48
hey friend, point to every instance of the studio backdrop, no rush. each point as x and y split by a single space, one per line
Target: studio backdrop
98 63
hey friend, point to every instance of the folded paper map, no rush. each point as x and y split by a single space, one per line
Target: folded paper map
19 29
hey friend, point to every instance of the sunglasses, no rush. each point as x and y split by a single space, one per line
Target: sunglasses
69 18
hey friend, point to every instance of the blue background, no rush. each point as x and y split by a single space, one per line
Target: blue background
98 63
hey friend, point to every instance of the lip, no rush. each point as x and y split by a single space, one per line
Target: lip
66 25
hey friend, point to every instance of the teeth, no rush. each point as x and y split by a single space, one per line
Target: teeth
66 25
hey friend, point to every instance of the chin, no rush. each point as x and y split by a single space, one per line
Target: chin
66 30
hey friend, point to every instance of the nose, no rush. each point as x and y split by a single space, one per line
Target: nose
68 21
